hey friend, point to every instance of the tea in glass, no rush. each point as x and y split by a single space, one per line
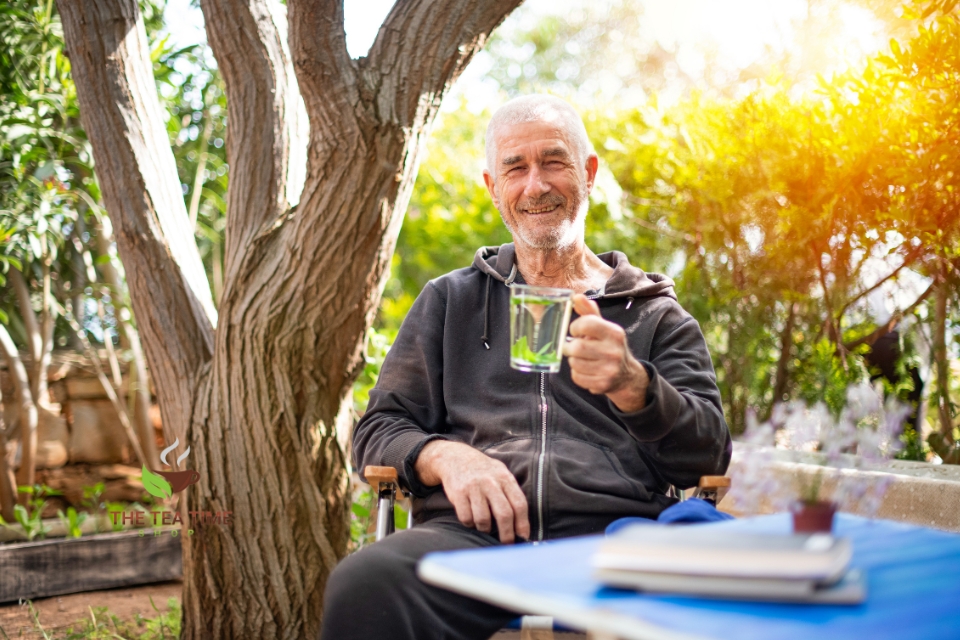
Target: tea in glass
538 326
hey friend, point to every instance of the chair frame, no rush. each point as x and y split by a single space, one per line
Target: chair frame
385 483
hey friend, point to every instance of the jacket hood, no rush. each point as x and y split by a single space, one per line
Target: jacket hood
626 281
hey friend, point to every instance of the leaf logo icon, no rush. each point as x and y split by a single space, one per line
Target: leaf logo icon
155 485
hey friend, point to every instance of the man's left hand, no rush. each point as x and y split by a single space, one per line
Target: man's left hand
600 359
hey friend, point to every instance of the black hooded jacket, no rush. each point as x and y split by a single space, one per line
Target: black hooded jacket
580 461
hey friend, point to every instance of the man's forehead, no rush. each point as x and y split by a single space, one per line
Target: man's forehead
534 137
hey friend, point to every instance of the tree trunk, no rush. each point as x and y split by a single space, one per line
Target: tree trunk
28 415
783 365
8 485
944 405
261 398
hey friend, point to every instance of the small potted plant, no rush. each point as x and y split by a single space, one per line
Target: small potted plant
865 432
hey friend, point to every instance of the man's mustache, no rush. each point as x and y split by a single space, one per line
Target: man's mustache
539 203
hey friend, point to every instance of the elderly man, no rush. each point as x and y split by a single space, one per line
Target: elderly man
494 455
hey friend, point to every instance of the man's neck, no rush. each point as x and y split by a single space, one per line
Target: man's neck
575 267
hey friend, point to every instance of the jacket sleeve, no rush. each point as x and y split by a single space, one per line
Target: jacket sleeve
681 429
406 408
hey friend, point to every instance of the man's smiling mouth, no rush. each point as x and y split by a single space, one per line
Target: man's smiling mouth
540 210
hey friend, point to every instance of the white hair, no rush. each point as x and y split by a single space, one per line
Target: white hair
537 106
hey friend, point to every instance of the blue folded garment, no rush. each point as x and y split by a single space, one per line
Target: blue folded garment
692 511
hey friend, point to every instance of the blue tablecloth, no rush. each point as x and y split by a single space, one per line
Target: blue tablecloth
912 573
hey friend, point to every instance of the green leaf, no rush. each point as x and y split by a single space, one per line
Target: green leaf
155 485
546 348
360 511
20 513
35 245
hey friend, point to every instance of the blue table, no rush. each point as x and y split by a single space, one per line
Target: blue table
912 574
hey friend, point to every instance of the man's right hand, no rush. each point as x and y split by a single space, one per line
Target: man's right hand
477 485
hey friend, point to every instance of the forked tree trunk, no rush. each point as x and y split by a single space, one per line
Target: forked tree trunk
261 397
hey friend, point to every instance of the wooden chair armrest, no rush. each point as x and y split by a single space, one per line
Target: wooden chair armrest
380 475
714 482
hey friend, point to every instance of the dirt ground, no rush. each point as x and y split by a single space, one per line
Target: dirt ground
59 612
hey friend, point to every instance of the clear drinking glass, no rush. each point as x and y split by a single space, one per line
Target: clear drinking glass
538 325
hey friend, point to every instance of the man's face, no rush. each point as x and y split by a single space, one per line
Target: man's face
539 185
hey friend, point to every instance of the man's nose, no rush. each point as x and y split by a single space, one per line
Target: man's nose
537 184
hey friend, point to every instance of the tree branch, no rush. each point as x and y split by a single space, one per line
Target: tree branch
326 74
264 112
908 260
888 326
27 314
111 392
109 57
423 46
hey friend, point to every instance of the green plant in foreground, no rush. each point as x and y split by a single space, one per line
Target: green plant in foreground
116 507
72 521
93 500
29 516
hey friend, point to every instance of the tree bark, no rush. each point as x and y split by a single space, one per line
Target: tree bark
944 404
8 484
265 394
28 415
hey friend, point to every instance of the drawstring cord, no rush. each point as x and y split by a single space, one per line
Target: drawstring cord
629 302
486 315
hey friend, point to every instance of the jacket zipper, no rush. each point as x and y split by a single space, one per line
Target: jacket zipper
543 443
543 451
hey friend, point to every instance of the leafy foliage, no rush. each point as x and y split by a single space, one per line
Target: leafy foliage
777 213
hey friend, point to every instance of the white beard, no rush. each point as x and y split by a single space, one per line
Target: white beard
559 237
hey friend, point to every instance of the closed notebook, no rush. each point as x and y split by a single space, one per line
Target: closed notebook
707 551
849 589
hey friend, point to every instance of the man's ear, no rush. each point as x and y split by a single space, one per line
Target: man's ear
593 164
491 186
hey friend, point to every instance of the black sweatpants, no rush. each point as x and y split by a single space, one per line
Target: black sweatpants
375 593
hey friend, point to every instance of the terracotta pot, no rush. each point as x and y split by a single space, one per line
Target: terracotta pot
179 480
814 517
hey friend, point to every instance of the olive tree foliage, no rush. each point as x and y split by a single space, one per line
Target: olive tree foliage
258 387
